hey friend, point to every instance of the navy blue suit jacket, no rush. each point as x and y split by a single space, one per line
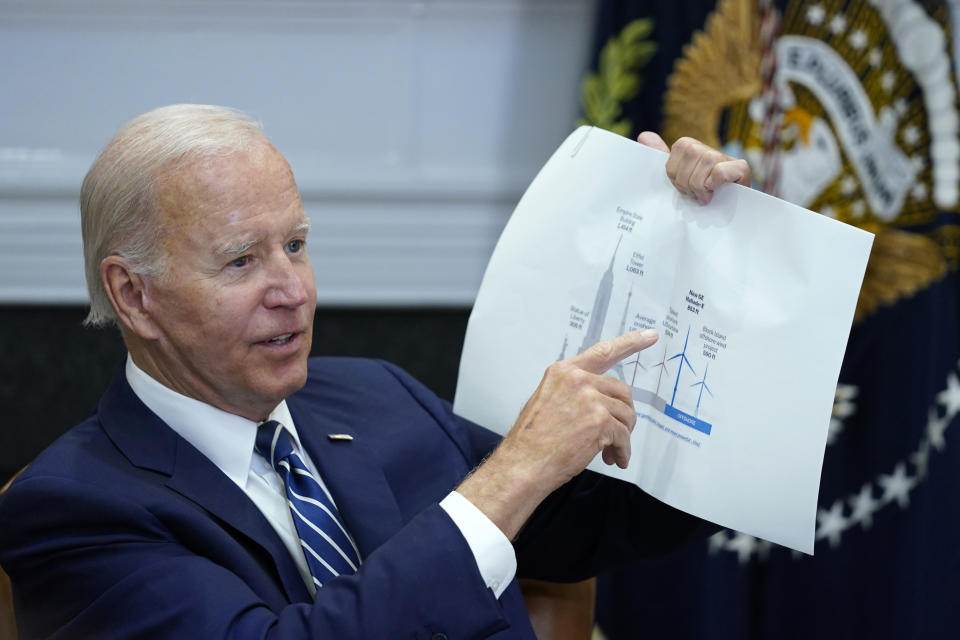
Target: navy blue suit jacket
122 529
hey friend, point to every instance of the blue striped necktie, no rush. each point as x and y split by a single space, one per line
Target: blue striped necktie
329 550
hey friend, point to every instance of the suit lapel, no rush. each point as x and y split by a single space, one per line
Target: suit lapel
199 480
150 444
352 473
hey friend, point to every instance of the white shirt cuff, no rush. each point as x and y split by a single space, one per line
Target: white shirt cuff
494 554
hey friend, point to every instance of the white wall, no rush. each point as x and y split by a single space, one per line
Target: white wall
412 127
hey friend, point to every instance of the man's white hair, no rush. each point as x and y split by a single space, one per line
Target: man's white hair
118 209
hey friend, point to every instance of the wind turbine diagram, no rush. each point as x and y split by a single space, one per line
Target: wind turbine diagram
636 365
589 325
703 387
663 366
683 360
671 410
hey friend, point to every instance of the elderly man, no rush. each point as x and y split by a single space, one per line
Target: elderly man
228 486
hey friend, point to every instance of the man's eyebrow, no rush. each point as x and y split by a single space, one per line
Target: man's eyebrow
236 247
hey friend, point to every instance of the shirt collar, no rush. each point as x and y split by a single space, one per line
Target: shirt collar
225 438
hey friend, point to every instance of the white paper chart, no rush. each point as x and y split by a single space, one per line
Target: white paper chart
753 298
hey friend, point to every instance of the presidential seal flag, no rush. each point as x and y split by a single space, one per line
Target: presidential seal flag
850 109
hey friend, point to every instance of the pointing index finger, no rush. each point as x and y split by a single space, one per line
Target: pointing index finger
606 353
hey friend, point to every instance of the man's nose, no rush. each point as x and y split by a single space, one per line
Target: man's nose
286 287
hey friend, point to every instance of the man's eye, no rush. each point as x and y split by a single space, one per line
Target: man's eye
295 246
240 262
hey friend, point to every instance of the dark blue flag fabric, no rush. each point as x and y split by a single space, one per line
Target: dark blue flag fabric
850 109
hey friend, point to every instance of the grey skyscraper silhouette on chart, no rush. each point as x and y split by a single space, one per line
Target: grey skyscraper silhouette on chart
600 304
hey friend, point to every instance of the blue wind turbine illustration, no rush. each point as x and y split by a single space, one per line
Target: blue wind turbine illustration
703 385
683 360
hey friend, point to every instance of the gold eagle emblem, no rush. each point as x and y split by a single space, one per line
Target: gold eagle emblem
841 83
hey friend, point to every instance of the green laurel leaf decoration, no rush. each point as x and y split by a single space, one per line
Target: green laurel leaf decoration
616 79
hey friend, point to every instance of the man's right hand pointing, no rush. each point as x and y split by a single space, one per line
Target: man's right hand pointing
575 413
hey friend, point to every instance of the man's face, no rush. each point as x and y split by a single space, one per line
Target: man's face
234 308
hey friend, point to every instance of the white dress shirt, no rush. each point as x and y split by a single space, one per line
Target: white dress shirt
228 441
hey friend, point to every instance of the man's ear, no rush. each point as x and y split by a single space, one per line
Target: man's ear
127 291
